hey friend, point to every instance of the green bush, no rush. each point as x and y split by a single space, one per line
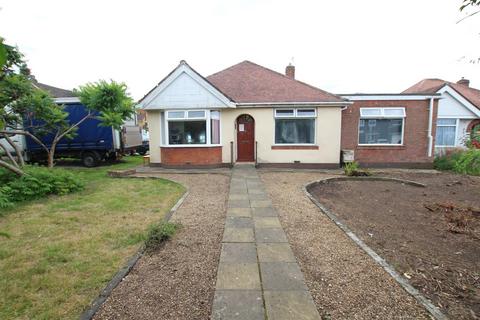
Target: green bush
160 232
36 183
350 168
460 161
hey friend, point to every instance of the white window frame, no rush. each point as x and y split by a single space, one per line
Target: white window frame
208 132
295 116
380 117
448 125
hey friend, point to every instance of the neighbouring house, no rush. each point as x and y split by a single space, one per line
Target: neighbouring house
458 111
390 130
244 113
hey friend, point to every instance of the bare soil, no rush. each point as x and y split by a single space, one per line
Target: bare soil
430 235
178 280
344 281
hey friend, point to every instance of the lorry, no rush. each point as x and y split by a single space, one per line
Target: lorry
92 143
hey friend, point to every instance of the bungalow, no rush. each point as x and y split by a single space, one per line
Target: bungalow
248 113
458 111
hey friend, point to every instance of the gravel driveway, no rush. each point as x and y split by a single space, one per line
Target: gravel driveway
178 281
344 281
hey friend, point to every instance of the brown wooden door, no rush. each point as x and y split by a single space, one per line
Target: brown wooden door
245 138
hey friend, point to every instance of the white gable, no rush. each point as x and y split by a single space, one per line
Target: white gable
453 105
185 89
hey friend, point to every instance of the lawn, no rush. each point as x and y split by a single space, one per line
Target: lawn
57 253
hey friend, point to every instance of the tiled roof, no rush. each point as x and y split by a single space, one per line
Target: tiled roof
433 85
54 91
247 82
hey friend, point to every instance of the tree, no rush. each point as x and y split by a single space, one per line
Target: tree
466 4
19 97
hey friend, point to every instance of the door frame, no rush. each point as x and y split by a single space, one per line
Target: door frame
253 138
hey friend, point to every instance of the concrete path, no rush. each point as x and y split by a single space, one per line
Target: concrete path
258 276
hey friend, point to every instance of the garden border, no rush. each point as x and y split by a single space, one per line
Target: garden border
427 304
125 270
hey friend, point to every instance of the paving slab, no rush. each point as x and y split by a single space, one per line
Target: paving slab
288 305
282 276
238 235
270 235
239 204
239 222
256 191
266 222
238 276
260 203
238 304
239 212
260 196
238 196
264 212
275 252
238 252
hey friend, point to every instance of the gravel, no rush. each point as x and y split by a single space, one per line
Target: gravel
344 281
178 280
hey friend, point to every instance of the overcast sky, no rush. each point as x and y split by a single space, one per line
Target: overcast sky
340 46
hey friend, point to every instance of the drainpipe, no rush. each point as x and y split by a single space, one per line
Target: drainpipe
430 121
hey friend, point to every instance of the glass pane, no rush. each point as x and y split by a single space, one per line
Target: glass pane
284 113
445 136
370 111
306 112
176 114
448 122
294 131
394 112
196 114
380 131
215 131
187 132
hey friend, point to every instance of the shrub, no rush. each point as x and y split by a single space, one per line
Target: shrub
160 232
464 162
352 169
36 183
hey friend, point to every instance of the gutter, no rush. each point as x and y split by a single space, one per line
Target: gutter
319 103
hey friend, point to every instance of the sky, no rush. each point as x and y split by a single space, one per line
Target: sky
349 46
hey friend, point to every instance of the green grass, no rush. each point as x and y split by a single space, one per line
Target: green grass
57 253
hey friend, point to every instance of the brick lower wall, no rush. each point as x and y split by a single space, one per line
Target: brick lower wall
415 142
191 156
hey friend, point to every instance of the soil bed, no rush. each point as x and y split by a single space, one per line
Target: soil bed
177 281
430 235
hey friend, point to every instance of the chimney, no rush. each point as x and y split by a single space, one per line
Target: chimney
290 71
464 82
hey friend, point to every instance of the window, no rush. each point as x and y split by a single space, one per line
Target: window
191 127
446 132
381 126
295 126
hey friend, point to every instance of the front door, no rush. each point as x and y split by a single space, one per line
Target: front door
245 138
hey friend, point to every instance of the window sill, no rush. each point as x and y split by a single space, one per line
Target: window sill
381 146
294 147
191 146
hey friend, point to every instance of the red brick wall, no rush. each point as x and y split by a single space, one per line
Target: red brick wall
415 140
191 156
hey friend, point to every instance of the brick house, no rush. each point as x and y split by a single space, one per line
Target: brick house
248 113
458 111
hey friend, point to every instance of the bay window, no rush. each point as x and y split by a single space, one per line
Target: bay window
381 126
192 127
295 126
446 132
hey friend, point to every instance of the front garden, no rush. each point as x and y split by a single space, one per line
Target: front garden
57 252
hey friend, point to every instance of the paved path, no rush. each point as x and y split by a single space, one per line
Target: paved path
258 276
